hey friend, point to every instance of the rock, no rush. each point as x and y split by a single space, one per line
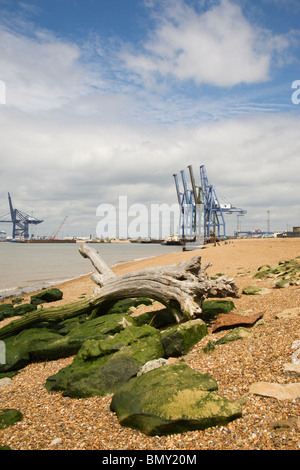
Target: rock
254 290
278 391
233 319
285 424
9 416
234 335
4 382
41 343
6 311
157 319
212 308
101 367
291 370
288 313
56 441
151 365
296 354
179 339
22 309
49 295
172 399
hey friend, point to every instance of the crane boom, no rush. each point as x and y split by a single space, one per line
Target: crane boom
54 236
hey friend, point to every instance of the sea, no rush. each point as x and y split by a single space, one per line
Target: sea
26 267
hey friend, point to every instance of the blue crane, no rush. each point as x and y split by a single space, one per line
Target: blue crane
201 213
20 221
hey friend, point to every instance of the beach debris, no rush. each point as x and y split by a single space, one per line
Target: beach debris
181 288
172 399
228 320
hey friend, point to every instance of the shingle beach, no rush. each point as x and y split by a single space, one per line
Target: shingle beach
53 422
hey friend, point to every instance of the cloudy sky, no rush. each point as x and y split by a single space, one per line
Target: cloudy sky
107 98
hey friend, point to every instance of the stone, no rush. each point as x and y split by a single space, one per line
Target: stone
150 365
24 308
9 416
291 370
101 367
254 290
172 399
234 335
274 390
288 313
179 339
4 382
296 354
230 320
285 424
6 311
212 308
49 295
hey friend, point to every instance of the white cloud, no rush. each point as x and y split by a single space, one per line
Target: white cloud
218 47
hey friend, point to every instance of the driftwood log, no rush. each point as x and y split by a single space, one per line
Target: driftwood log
181 288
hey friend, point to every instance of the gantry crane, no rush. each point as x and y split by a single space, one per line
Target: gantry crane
201 213
20 221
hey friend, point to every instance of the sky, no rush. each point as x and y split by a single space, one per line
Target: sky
102 99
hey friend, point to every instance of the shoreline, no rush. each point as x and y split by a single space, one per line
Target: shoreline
225 257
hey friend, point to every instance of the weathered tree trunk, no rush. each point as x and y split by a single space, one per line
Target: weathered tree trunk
181 288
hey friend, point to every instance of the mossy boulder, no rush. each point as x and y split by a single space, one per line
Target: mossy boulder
100 367
172 399
234 335
254 290
49 295
158 318
179 339
41 343
9 416
6 311
212 308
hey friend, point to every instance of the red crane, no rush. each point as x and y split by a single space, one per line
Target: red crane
54 236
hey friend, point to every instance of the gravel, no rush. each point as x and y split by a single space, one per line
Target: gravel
54 422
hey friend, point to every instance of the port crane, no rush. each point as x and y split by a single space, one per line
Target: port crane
20 221
201 212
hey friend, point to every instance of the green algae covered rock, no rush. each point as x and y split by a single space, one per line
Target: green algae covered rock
9 416
100 367
254 290
234 335
41 343
179 339
212 308
49 295
172 399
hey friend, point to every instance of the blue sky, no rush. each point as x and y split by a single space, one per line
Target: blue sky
109 98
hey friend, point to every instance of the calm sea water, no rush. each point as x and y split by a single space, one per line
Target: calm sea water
25 267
